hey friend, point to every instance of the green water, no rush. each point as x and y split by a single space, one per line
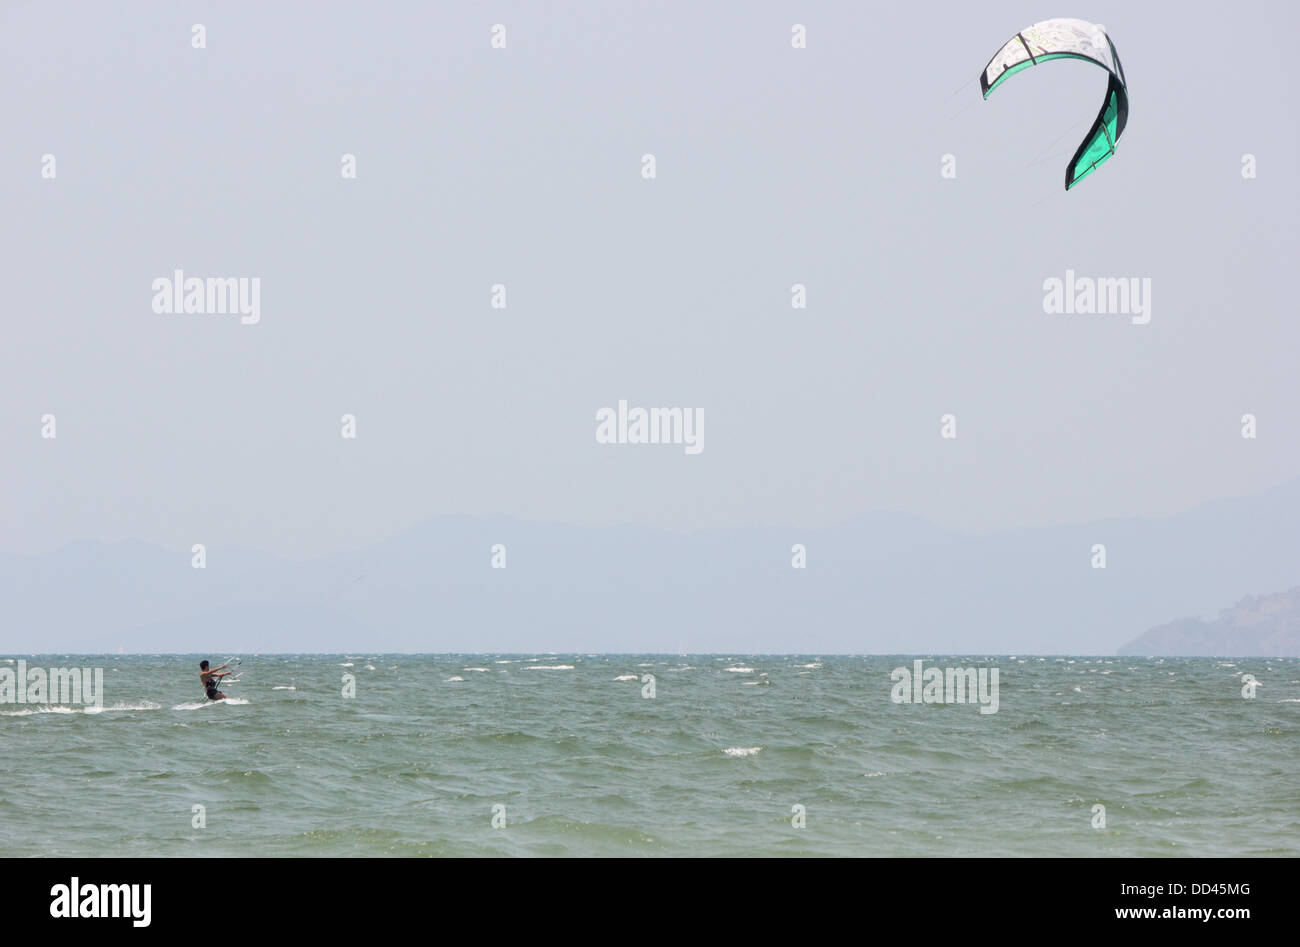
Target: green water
713 764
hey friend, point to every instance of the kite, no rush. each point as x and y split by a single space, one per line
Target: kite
1069 39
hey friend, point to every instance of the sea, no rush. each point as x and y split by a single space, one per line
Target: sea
658 755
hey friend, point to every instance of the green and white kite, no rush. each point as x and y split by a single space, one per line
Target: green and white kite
1069 39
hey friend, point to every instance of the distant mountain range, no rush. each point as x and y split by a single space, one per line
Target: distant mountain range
1257 626
882 583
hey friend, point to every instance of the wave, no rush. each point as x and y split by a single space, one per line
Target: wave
140 705
743 750
89 709
549 667
200 704
56 709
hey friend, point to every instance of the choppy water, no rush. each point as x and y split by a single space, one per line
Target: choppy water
711 765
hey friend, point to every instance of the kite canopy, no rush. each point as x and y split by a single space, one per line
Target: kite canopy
1069 39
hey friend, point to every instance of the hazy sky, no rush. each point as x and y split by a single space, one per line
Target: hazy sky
522 166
